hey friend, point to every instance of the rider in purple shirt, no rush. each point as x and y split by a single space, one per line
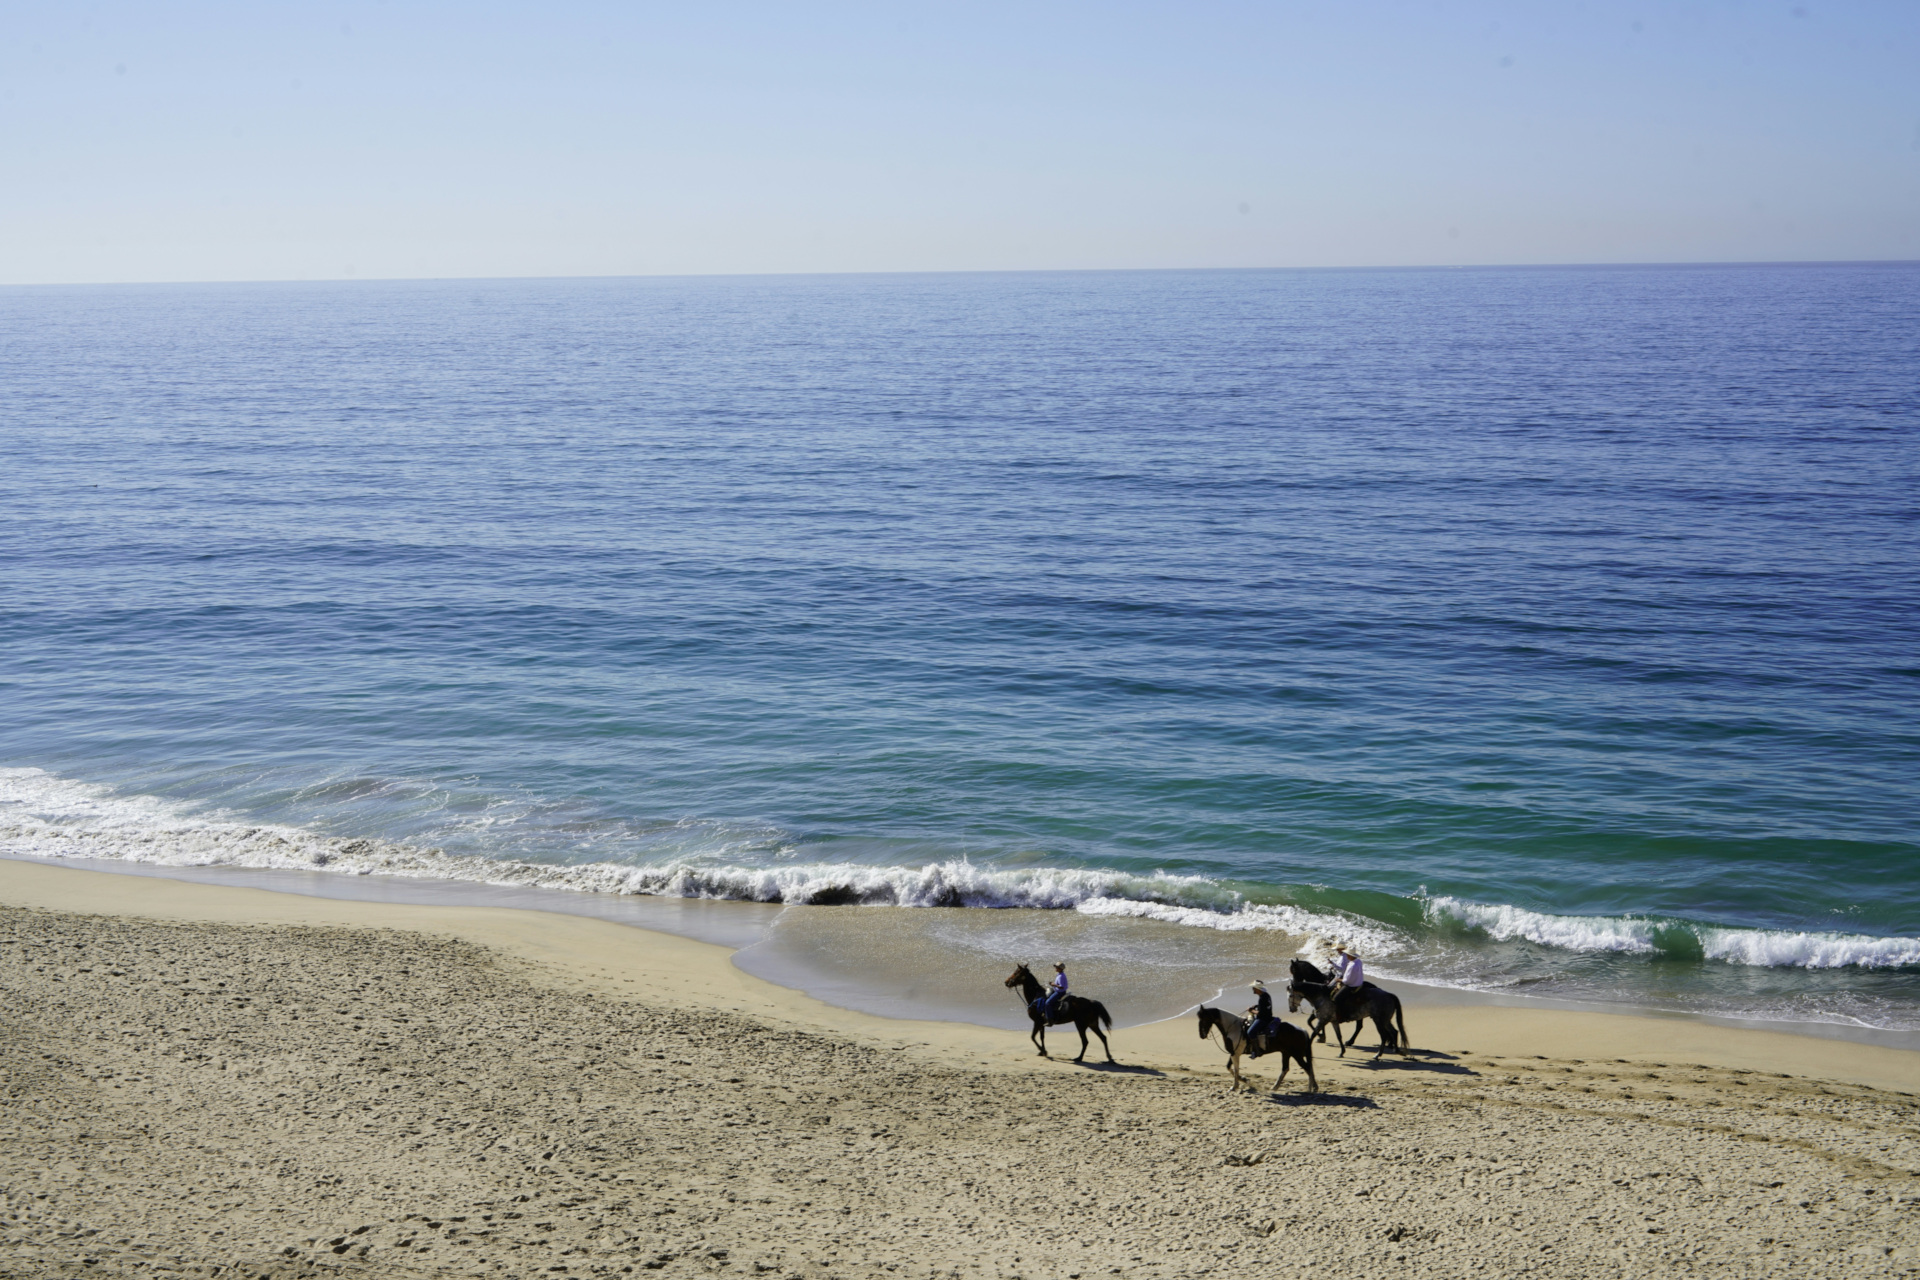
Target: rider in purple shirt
1058 991
1348 974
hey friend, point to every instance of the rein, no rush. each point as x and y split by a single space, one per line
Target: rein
1030 991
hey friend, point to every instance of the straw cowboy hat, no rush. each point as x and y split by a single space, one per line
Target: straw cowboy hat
1259 984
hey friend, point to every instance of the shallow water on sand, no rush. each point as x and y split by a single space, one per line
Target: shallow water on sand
954 962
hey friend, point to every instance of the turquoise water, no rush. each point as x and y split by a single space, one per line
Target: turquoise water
1540 630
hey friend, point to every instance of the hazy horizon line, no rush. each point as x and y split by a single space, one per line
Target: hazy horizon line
1736 264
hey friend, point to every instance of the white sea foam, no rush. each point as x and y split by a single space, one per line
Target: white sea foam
1775 947
1762 948
45 816
1371 939
1572 933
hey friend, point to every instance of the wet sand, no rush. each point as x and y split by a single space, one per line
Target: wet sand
213 1081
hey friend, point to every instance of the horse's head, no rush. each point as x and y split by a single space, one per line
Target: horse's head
1209 1018
1293 999
1020 974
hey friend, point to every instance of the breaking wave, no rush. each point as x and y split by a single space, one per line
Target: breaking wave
44 816
1680 939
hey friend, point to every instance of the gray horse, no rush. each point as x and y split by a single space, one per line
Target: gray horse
1352 1006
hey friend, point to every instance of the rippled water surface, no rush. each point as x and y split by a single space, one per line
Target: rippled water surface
1542 630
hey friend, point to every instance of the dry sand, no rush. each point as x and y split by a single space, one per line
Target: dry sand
223 1082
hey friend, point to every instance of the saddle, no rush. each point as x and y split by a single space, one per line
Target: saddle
1058 1016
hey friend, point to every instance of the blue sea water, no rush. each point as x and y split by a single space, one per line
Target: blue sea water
1545 630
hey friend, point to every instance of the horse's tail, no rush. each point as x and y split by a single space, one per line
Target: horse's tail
1101 1015
1400 1016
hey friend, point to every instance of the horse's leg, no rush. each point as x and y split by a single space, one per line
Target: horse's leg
1103 1041
1039 1036
1340 1037
1081 1027
1390 1037
1313 1086
1233 1065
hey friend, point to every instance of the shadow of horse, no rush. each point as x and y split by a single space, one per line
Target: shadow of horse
1120 1069
1352 1100
1427 1061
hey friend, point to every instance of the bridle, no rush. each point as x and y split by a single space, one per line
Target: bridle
1014 985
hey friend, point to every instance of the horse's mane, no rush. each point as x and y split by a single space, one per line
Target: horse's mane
1028 983
1229 1023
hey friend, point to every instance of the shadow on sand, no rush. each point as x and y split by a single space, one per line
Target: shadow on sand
1322 1099
1117 1068
1431 1061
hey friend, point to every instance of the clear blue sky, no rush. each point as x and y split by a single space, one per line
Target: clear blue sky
164 141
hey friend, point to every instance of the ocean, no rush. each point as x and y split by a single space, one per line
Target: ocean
1545 632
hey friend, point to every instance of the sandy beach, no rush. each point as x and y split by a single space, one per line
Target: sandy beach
225 1082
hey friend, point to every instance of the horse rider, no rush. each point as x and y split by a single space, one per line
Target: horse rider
1348 973
1260 1017
1057 992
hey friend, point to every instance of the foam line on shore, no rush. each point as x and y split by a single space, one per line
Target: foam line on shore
45 816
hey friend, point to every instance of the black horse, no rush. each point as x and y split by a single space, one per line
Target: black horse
1369 1001
1307 971
1290 1042
1078 1010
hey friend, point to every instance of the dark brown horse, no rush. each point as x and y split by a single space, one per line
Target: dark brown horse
1290 1042
1078 1010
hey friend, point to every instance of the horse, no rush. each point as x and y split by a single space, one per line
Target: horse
1352 1006
1290 1042
1305 971
1078 1010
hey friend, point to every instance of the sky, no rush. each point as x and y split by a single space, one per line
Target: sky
275 141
